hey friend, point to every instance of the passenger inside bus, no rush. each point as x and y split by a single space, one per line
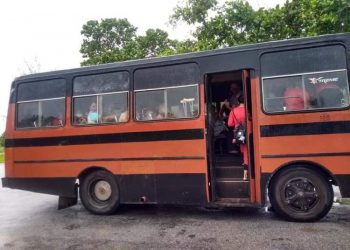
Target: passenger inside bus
226 88
237 117
57 121
124 116
232 97
162 112
92 115
329 95
296 98
111 113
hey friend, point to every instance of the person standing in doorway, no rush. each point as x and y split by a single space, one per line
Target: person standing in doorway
237 117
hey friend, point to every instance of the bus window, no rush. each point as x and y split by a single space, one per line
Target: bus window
168 103
27 115
101 98
183 102
306 79
309 91
41 104
168 92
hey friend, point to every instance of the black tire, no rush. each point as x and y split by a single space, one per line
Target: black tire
301 194
99 192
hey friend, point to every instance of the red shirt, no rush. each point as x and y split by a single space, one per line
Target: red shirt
237 115
294 98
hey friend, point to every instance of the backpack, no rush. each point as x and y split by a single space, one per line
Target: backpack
239 133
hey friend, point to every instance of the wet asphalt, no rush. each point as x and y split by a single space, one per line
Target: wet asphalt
32 221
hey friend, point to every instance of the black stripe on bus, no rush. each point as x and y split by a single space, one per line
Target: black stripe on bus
305 155
315 128
168 135
119 159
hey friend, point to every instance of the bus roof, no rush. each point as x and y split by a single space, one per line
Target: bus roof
193 55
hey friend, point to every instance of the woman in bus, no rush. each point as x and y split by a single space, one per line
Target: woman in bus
237 117
92 115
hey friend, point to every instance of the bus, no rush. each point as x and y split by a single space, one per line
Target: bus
148 131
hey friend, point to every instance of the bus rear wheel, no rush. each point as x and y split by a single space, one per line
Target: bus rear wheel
99 192
301 194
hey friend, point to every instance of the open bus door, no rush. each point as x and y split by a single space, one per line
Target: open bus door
228 185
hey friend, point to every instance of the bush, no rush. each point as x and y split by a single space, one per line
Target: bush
2 140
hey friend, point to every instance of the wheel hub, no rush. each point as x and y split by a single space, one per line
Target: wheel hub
300 194
102 190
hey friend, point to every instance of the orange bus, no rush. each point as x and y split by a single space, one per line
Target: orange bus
154 131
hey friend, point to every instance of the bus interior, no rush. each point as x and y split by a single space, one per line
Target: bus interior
227 170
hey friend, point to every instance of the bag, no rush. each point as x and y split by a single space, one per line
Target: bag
239 132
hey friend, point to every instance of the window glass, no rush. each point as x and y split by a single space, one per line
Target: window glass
108 108
303 60
27 115
52 112
102 83
41 90
150 105
167 76
183 102
329 90
168 103
114 108
38 114
85 110
306 92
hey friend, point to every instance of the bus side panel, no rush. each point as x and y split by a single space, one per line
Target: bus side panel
329 151
163 188
65 187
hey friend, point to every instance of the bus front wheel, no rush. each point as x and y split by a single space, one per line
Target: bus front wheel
99 192
301 194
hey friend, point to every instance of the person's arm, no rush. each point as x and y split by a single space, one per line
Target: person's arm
231 119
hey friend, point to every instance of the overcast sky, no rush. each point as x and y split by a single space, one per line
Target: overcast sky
47 32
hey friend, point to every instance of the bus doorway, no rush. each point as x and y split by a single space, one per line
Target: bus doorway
229 172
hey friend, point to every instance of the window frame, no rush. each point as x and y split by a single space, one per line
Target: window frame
303 110
41 100
165 88
97 104
99 94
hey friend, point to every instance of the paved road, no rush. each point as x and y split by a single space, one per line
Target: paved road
31 221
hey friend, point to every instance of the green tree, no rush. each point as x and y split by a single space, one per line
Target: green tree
156 42
112 40
2 140
216 26
236 22
108 41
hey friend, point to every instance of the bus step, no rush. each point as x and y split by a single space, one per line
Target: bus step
229 172
234 202
229 162
229 157
232 188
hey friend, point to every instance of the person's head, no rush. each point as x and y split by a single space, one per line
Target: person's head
235 88
240 99
93 107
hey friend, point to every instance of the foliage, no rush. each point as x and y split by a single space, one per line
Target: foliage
114 39
155 42
216 26
107 41
194 11
2 140
236 22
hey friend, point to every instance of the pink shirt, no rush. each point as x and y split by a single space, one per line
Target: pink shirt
294 99
237 115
